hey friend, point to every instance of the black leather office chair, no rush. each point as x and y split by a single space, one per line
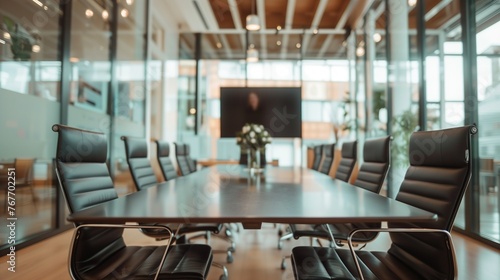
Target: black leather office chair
190 161
348 161
182 161
376 161
318 150
99 251
136 151
328 156
163 157
438 176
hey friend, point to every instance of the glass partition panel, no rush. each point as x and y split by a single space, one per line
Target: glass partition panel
30 70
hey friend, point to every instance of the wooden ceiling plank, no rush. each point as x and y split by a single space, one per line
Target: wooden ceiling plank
325 46
346 14
316 20
436 9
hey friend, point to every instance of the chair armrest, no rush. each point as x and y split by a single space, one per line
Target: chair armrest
401 230
163 227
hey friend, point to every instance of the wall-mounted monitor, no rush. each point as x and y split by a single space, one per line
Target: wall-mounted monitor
278 109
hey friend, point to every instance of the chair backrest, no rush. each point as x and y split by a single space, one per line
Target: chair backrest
346 165
163 156
317 157
85 181
376 161
190 161
24 171
136 151
438 176
182 161
328 155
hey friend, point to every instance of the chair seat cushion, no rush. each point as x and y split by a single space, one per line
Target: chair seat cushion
187 261
329 263
339 231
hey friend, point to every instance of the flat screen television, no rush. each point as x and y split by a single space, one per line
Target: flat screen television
278 109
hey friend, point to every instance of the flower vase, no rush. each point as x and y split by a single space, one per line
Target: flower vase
253 159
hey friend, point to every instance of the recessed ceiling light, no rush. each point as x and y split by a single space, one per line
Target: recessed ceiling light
6 35
219 45
278 43
377 37
124 13
412 3
35 48
315 31
192 111
45 8
74 59
278 27
89 13
298 45
360 51
129 2
105 14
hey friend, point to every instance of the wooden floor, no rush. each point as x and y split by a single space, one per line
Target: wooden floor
256 257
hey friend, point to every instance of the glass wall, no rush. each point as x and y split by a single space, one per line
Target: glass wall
30 71
107 92
488 76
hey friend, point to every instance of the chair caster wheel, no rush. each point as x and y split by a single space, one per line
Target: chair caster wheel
223 277
231 249
280 245
228 233
283 264
229 258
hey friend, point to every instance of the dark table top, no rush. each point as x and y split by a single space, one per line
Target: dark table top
227 193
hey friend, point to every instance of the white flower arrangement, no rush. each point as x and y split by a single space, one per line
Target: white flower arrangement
253 135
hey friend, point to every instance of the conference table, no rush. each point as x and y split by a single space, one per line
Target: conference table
230 193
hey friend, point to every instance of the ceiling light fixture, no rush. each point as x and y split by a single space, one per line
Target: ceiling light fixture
315 31
298 45
377 37
129 2
219 45
38 3
253 22
252 55
105 15
278 27
35 48
89 13
278 43
6 35
124 13
412 3
360 51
